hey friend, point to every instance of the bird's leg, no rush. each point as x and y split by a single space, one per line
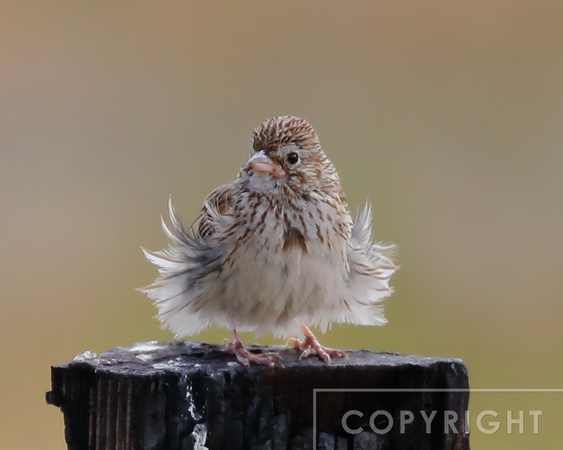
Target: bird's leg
310 345
245 357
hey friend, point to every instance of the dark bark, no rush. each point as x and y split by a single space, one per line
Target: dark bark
178 395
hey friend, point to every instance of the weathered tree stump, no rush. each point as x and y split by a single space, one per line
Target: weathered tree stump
184 395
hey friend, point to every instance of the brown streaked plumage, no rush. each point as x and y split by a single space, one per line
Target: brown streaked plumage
274 250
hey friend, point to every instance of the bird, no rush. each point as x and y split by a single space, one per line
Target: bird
274 250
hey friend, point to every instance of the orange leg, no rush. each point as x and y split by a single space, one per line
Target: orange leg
310 345
245 357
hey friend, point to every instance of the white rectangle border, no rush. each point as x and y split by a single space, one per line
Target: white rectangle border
469 390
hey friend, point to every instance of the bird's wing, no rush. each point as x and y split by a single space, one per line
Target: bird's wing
179 291
361 231
361 234
371 266
216 208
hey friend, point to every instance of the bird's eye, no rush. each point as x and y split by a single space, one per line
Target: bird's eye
292 158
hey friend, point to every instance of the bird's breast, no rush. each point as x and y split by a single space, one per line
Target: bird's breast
282 263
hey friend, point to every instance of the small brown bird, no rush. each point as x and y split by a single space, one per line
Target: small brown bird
274 250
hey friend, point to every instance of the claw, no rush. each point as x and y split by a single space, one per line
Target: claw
245 357
310 345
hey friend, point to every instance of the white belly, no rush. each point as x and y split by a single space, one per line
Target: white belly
265 288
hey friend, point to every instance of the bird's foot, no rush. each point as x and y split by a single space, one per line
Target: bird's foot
310 345
245 357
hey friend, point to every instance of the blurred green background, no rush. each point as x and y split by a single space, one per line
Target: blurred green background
446 115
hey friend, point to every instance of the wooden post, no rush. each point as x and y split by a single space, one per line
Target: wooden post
193 395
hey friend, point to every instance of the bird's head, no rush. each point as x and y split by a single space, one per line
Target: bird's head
287 149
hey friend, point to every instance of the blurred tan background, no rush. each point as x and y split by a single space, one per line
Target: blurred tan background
446 115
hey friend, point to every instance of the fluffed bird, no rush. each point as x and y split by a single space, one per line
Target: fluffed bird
275 250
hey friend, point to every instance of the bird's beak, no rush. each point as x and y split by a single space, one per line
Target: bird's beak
261 162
